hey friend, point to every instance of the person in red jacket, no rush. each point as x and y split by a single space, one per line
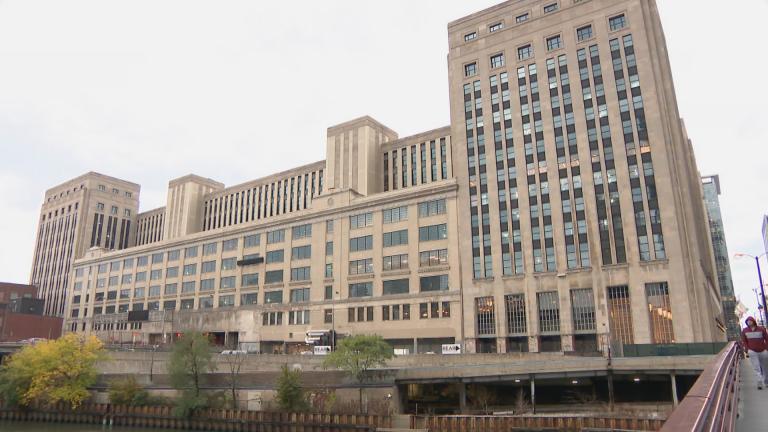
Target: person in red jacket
754 339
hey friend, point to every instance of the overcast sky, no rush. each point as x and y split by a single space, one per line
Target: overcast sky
152 90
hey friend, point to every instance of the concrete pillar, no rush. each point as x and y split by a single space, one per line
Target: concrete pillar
415 345
674 389
610 390
463 398
533 394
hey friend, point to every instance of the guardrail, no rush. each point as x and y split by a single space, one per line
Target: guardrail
712 402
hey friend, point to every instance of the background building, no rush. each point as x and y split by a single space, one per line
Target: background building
561 210
92 210
21 314
711 186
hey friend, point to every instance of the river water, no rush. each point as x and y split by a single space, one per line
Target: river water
58 427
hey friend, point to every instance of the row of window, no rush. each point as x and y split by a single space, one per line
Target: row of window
555 42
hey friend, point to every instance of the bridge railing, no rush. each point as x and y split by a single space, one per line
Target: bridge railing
712 402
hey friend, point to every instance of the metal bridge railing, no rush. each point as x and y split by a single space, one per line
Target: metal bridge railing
712 403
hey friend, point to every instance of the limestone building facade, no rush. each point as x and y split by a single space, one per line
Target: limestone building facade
561 210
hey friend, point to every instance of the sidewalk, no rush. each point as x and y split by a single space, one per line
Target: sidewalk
753 403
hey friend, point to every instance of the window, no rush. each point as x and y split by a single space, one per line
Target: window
395 238
157 257
617 22
187 304
138 292
226 301
155 274
228 263
395 262
126 213
433 232
277 236
114 266
172 272
551 7
522 18
470 69
328 292
329 226
227 282
113 281
113 210
272 318
207 267
495 27
361 220
190 269
229 245
103 268
396 214
141 276
432 208
142 261
470 36
99 206
190 252
301 231
433 258
433 283
205 302
154 291
364 289
170 289
112 295
583 310
360 243
207 285
497 60
516 321
300 273
620 314
660 311
584 33
209 249
188 287
554 43
273 276
362 266
273 297
360 314
301 252
485 316
525 52
397 286
276 256
298 317
549 312
327 316
300 295
252 240
329 248
174 255
249 299
329 271
128 194
125 280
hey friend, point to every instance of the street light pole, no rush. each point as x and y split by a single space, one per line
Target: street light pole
760 302
762 291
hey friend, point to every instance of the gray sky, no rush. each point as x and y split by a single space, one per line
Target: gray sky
152 90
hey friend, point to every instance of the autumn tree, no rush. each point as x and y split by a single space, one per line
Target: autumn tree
356 355
53 371
190 360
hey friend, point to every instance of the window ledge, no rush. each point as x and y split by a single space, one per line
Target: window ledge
366 276
274 285
397 272
300 283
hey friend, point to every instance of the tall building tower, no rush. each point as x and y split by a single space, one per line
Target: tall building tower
581 216
711 185
92 210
